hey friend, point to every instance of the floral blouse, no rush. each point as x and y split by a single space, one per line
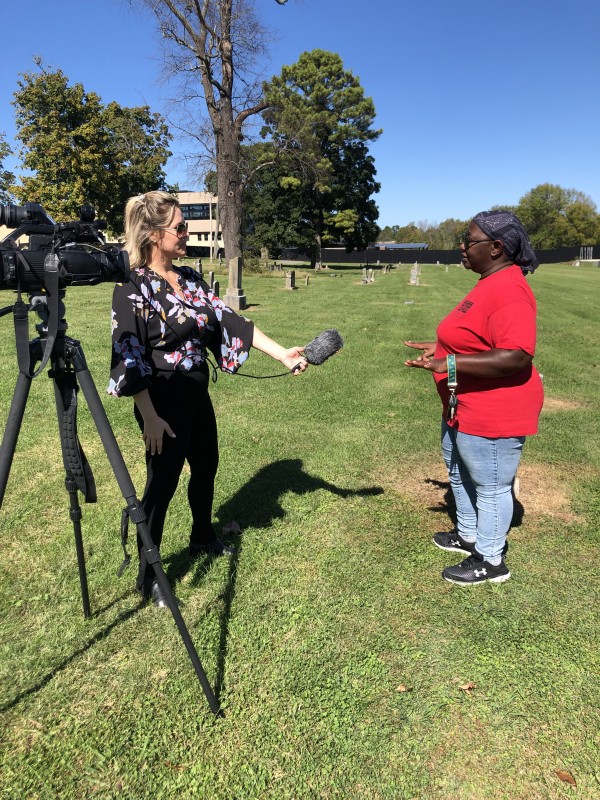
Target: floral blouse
154 330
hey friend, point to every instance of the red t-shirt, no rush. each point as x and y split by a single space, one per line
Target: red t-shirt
499 312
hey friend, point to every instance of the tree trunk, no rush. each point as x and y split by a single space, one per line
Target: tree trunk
229 184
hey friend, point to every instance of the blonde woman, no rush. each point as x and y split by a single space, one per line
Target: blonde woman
165 321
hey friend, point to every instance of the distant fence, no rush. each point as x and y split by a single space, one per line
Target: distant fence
373 257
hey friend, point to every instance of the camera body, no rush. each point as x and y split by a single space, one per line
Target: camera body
83 255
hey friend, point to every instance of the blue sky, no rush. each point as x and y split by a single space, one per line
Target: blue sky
479 102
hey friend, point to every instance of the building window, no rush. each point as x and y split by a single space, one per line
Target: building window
198 210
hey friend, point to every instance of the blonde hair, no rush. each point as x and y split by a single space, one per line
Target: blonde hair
143 214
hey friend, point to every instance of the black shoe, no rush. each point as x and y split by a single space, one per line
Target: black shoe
214 548
475 569
454 543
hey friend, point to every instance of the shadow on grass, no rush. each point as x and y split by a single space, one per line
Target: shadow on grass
256 505
102 634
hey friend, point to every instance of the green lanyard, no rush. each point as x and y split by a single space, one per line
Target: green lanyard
452 385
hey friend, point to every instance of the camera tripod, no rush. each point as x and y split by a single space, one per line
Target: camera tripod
68 369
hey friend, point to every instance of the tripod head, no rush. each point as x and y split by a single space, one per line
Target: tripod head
38 302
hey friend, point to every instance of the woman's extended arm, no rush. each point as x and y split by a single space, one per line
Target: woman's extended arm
495 363
290 358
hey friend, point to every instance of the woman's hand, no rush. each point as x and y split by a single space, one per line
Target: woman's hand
431 364
154 426
294 360
427 347
154 431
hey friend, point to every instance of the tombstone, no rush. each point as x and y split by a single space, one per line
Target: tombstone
306 281
415 274
364 275
234 297
215 288
211 279
371 276
198 267
317 265
264 257
446 267
290 279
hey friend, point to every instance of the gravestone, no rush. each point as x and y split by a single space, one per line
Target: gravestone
211 279
290 279
215 288
415 274
234 297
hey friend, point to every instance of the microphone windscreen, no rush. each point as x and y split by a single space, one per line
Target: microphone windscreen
322 346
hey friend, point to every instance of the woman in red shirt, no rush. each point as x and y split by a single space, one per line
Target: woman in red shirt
491 393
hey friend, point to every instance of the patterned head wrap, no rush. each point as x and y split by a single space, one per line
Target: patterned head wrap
503 225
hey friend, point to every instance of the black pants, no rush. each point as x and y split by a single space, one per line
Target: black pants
185 404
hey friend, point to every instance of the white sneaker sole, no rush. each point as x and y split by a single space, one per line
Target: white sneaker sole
497 579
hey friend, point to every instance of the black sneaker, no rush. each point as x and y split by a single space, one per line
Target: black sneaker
454 543
475 569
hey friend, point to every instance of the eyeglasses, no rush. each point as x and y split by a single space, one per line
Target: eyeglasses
181 229
468 242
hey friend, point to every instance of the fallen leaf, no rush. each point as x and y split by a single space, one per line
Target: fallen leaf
468 687
402 688
565 776
177 767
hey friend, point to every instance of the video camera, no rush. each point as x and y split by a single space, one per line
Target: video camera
84 258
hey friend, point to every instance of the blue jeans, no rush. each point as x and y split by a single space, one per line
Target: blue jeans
481 473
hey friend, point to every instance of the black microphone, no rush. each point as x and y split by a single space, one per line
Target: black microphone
323 346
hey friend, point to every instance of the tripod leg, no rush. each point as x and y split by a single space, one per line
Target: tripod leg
119 468
65 394
75 514
11 431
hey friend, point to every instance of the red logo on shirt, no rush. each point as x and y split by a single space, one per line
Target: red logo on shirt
464 307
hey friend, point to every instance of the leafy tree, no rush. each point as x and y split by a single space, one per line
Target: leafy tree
63 142
554 217
6 177
447 235
319 117
402 234
274 215
80 151
138 148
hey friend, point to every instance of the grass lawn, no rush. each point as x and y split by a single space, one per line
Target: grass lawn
346 667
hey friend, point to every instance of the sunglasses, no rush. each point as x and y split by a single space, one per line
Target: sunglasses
468 242
181 229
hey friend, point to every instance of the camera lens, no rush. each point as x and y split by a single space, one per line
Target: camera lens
12 216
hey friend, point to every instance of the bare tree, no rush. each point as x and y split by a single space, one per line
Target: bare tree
212 46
